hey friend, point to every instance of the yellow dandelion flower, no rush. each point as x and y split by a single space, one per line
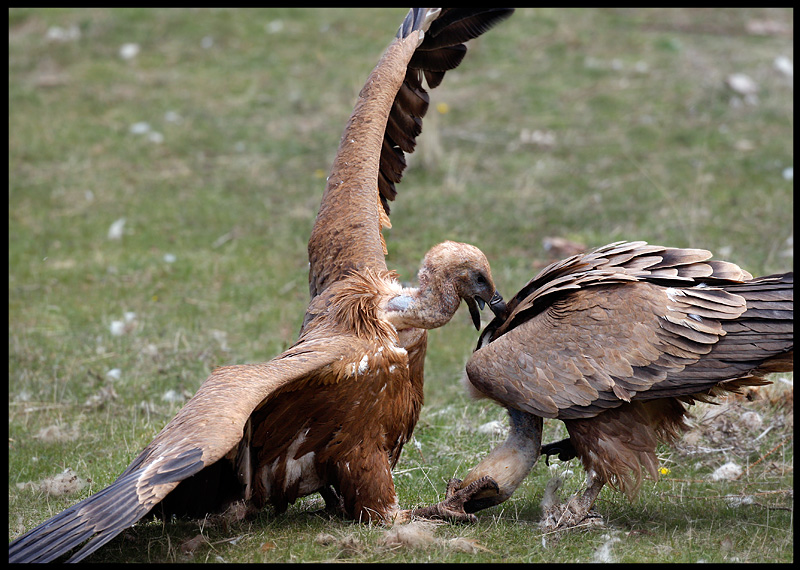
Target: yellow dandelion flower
443 108
664 471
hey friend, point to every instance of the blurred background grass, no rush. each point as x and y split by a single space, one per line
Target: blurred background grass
213 141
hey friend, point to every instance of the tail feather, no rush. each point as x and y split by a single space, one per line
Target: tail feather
757 343
764 333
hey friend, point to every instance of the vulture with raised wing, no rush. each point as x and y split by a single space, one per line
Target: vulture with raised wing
615 343
331 413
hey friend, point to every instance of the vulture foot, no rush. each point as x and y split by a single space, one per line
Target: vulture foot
570 515
563 449
452 507
576 512
334 503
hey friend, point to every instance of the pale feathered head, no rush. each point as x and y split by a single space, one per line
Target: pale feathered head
464 269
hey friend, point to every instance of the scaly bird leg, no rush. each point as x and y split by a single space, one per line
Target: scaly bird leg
510 462
577 509
334 503
452 508
496 477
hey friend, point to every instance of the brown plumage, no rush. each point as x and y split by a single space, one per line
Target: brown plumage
330 414
615 343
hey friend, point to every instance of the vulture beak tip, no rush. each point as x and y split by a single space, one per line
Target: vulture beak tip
476 304
497 305
474 312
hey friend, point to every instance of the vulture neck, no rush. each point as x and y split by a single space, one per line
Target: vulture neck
429 306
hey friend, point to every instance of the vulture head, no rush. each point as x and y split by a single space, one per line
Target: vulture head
450 272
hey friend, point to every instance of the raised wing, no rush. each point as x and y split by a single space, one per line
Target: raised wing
441 50
202 432
604 328
383 126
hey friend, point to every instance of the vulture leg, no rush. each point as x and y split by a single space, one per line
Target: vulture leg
498 475
334 503
452 507
563 449
577 509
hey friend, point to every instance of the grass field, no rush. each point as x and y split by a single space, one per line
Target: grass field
212 143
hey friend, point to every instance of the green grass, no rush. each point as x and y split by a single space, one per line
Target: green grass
647 143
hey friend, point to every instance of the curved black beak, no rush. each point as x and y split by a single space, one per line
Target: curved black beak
472 303
496 304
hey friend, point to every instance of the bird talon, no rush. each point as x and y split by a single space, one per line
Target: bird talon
452 507
453 486
456 496
485 483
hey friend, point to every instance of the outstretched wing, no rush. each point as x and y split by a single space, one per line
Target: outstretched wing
383 126
603 328
202 432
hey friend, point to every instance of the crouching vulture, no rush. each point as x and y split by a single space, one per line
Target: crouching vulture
615 343
331 413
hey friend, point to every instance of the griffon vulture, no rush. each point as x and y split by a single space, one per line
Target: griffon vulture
330 414
615 343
